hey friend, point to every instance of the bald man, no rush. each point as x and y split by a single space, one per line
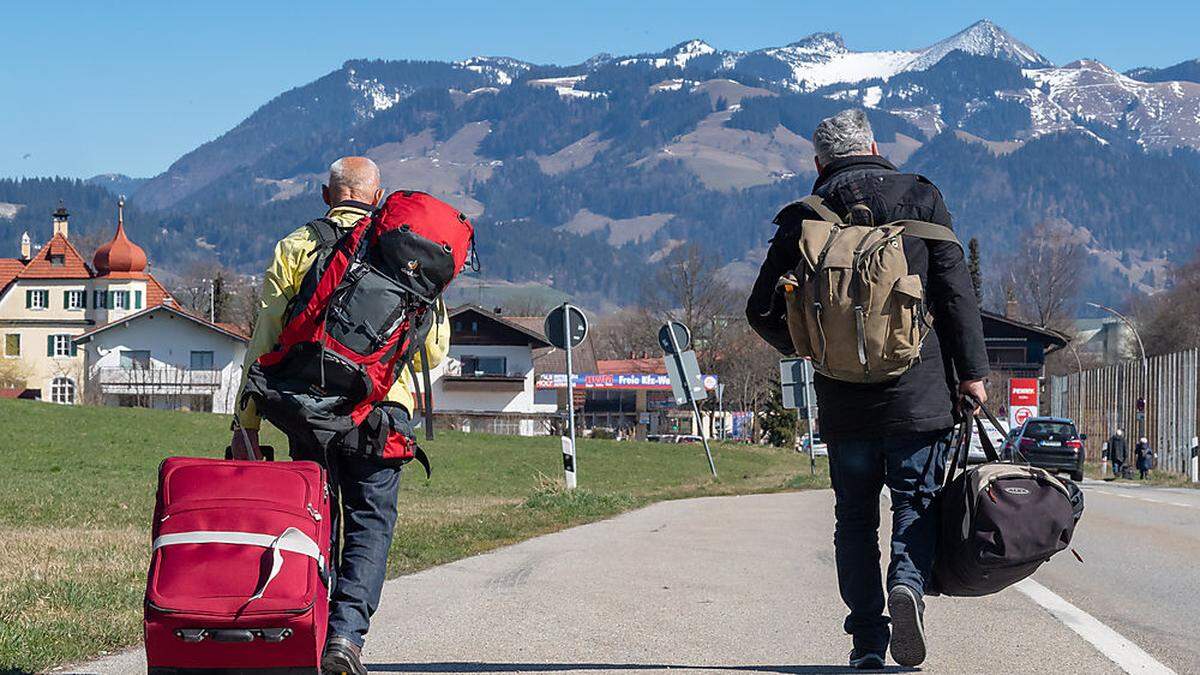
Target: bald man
364 494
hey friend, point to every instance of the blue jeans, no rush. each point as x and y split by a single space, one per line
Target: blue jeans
911 466
363 499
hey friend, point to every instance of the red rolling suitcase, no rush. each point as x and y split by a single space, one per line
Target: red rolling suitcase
238 575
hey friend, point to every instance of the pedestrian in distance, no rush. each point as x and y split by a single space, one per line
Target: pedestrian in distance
1144 456
894 432
1118 452
364 494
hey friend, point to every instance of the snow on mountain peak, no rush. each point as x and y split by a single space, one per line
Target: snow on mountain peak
501 69
822 42
982 38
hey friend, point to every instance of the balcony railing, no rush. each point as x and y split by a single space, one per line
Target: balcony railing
158 377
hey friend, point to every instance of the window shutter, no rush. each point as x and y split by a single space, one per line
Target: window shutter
83 299
74 349
111 303
137 299
49 345
28 299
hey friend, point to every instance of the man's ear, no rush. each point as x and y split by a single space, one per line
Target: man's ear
874 148
817 163
325 195
378 197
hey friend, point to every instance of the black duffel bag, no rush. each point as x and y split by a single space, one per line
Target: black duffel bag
999 521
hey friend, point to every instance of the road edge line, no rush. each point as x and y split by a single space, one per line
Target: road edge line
1116 647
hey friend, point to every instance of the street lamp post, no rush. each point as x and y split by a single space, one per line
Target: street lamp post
1145 363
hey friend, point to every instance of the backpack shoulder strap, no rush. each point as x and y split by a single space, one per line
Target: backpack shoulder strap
818 205
926 230
325 231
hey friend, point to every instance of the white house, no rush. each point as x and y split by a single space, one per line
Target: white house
487 381
50 295
164 357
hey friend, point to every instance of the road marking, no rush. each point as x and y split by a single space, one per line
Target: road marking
1128 656
1152 500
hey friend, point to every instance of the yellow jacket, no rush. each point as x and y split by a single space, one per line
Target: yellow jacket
293 257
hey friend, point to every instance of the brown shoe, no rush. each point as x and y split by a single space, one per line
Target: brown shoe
342 657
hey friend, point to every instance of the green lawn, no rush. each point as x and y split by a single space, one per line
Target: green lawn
78 488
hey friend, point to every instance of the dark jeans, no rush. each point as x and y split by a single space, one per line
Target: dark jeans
363 497
911 466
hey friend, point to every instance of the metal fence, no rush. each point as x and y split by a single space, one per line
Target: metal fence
1102 400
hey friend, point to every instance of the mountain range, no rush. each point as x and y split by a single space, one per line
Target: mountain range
584 177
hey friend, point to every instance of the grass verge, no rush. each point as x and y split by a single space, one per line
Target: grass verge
78 490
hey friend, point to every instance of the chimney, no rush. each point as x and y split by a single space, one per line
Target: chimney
60 220
1011 309
26 247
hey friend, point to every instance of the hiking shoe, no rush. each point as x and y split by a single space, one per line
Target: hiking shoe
866 659
342 658
906 610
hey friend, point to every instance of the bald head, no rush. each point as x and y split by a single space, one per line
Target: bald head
353 178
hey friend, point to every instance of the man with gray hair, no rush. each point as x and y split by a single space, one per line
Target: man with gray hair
894 433
363 495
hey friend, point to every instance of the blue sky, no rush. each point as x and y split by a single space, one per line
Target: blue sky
130 86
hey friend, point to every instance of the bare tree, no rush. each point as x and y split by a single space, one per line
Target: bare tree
1045 273
1169 321
689 289
626 333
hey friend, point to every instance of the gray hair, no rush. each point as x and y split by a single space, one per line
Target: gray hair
846 133
356 174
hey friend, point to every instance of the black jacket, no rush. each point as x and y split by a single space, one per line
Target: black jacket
920 400
1118 450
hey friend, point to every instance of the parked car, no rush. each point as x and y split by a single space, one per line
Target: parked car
688 438
819 447
1051 443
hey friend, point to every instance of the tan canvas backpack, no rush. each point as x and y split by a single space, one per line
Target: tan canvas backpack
852 306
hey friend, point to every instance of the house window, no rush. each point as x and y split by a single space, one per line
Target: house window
135 358
58 259
75 299
484 365
100 299
202 360
59 346
62 390
118 300
39 299
12 344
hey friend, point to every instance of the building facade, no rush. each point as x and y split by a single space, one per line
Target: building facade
51 295
487 381
164 357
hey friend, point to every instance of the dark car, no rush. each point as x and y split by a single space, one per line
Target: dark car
1050 443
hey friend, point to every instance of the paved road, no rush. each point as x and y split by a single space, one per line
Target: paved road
734 584
1141 570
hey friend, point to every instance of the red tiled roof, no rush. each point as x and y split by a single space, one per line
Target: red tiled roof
73 266
10 268
647 365
228 329
234 328
156 293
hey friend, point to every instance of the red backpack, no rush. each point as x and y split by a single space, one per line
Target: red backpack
363 310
